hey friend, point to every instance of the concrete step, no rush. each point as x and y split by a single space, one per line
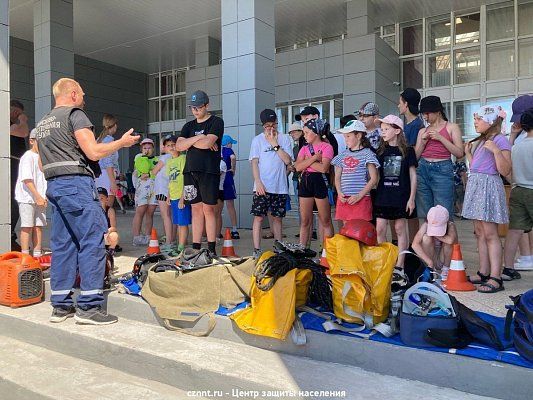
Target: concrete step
208 364
32 372
448 370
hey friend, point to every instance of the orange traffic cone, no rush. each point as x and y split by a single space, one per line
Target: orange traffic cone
457 280
227 248
153 246
323 259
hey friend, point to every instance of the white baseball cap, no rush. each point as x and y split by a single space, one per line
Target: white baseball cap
352 126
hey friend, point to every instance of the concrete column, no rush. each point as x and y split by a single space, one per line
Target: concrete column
360 19
207 51
53 49
5 211
248 49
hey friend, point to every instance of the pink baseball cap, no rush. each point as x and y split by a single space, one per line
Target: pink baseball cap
147 140
437 217
392 119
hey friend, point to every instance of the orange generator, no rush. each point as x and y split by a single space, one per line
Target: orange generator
21 280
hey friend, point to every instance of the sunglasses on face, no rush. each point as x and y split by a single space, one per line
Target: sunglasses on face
194 108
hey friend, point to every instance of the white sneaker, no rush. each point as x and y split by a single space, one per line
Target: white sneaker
524 265
139 241
146 240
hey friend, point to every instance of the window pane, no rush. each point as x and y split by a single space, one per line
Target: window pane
439 70
337 113
166 84
506 104
500 61
467 29
391 41
525 16
525 50
467 66
464 116
439 34
167 113
412 71
180 107
153 86
153 111
412 39
500 23
180 82
388 29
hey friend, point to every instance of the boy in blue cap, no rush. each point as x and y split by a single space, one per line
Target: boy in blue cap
230 194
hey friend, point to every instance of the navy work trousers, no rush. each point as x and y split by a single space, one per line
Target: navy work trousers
77 241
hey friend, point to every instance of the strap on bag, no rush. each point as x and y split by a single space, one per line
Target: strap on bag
298 332
210 326
368 320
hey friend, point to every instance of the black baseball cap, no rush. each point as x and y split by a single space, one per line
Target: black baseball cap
268 115
310 110
102 191
198 99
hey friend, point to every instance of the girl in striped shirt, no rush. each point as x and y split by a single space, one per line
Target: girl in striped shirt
355 174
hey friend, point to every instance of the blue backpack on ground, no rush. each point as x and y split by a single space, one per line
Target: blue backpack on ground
522 323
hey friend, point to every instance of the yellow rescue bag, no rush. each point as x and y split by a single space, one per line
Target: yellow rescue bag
272 312
361 276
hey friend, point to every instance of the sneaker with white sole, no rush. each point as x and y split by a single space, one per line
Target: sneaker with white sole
523 265
59 314
94 316
138 241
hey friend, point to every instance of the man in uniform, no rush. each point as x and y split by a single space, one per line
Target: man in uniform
69 155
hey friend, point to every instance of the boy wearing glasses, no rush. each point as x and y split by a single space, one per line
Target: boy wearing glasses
201 138
270 154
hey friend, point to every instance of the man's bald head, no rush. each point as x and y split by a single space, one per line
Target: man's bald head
68 92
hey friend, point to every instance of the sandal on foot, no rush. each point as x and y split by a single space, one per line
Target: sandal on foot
492 288
482 278
510 274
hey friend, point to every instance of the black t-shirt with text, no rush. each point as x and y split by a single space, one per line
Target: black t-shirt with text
203 160
394 185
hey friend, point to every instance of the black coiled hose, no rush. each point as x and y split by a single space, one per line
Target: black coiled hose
319 293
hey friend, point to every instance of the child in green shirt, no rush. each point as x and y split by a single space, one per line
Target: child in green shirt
181 212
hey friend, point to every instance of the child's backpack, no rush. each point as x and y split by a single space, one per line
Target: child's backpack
522 323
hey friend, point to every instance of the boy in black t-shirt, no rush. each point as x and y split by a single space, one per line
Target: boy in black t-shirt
201 138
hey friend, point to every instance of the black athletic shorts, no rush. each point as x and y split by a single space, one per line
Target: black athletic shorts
201 187
313 184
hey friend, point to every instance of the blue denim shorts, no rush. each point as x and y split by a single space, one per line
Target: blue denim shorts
435 186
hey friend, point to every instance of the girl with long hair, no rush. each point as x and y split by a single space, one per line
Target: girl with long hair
396 190
489 155
313 162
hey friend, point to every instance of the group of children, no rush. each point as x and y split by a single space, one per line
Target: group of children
160 181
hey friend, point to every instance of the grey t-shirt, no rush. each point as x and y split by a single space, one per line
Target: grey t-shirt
522 165
79 120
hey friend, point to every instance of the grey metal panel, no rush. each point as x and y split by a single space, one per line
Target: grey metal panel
282 94
333 48
385 49
466 92
230 108
388 68
264 76
247 107
60 35
315 52
282 75
362 82
297 56
385 87
213 86
315 69
525 85
282 58
298 91
359 26
4 55
501 88
315 88
228 9
354 101
334 66
359 62
213 71
230 42
230 75
245 136
445 93
297 73
333 85
195 74
357 44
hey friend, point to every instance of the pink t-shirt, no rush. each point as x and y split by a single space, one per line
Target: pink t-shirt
483 161
325 148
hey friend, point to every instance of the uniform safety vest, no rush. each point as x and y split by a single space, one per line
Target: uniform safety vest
58 148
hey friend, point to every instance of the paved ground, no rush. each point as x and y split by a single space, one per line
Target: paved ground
490 303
